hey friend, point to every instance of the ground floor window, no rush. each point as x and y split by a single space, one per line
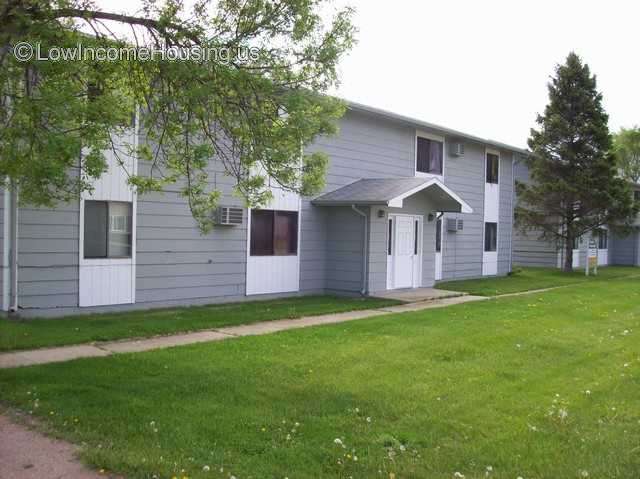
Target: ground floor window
490 237
107 229
274 233
603 239
439 235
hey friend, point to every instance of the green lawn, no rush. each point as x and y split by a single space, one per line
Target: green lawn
527 279
29 334
535 386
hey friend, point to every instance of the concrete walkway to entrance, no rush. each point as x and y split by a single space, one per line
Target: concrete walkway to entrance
66 353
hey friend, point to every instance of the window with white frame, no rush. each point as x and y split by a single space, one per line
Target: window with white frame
107 229
429 155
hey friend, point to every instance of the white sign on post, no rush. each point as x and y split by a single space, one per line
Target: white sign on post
592 258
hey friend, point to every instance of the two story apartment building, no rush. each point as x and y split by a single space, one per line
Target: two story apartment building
406 203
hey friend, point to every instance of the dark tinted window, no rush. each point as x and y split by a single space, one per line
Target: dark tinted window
490 236
493 165
603 239
389 236
429 156
107 229
285 240
439 235
95 229
274 233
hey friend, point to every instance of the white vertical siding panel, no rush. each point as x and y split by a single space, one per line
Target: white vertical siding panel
110 281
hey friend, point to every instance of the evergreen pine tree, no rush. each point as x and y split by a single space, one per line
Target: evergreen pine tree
575 186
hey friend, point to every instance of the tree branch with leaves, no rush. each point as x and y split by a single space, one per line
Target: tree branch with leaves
253 115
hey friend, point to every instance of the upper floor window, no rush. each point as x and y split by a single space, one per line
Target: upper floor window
603 239
577 242
493 165
429 155
107 229
274 233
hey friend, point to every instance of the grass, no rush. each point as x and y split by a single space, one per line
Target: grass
528 279
29 334
533 386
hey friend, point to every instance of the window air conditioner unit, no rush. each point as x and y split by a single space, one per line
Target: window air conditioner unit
457 148
454 225
228 216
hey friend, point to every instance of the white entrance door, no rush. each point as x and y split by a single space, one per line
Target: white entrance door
406 260
438 272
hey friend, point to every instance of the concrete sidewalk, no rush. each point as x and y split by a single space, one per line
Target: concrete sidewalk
27 454
67 353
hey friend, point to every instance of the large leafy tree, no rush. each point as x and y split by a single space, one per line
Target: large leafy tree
626 145
252 105
575 185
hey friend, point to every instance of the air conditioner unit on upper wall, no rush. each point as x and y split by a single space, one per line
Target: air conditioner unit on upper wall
228 216
457 148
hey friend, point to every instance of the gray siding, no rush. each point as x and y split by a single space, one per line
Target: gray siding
462 250
345 230
175 262
625 250
365 147
528 248
48 256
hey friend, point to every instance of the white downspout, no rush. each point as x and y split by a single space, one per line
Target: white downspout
13 249
365 248
6 235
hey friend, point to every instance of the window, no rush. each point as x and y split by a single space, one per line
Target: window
493 165
439 235
429 156
274 233
490 237
107 229
636 195
603 239
577 242
389 236
415 237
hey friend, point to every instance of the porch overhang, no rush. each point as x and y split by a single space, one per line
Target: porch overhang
392 192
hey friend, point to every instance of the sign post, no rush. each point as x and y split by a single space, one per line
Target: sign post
592 258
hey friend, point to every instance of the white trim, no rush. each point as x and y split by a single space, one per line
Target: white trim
279 265
434 137
491 206
437 273
6 269
101 280
398 200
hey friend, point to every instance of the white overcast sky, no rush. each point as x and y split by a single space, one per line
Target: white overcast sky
482 66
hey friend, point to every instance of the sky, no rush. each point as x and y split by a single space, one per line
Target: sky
482 67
